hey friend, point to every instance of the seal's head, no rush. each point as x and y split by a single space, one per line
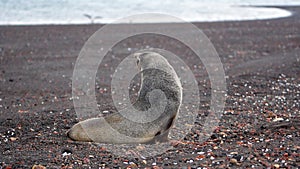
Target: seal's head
151 60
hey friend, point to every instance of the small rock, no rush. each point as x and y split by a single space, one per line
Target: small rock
105 112
214 136
223 134
200 157
234 161
156 167
133 165
278 119
13 139
276 165
66 152
38 167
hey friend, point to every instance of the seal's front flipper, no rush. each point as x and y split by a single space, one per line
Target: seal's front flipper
162 137
159 138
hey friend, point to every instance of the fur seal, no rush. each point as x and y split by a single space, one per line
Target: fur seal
156 73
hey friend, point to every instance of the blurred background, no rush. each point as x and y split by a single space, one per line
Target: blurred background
32 12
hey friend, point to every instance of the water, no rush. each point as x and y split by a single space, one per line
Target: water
24 12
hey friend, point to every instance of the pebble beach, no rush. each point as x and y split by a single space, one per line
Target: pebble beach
259 127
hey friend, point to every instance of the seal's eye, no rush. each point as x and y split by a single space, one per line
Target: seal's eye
137 62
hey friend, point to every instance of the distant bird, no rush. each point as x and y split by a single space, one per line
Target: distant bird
92 19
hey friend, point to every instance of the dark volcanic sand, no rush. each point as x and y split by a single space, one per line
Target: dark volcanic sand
261 60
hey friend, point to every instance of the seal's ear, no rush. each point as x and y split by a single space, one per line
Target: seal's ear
137 57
